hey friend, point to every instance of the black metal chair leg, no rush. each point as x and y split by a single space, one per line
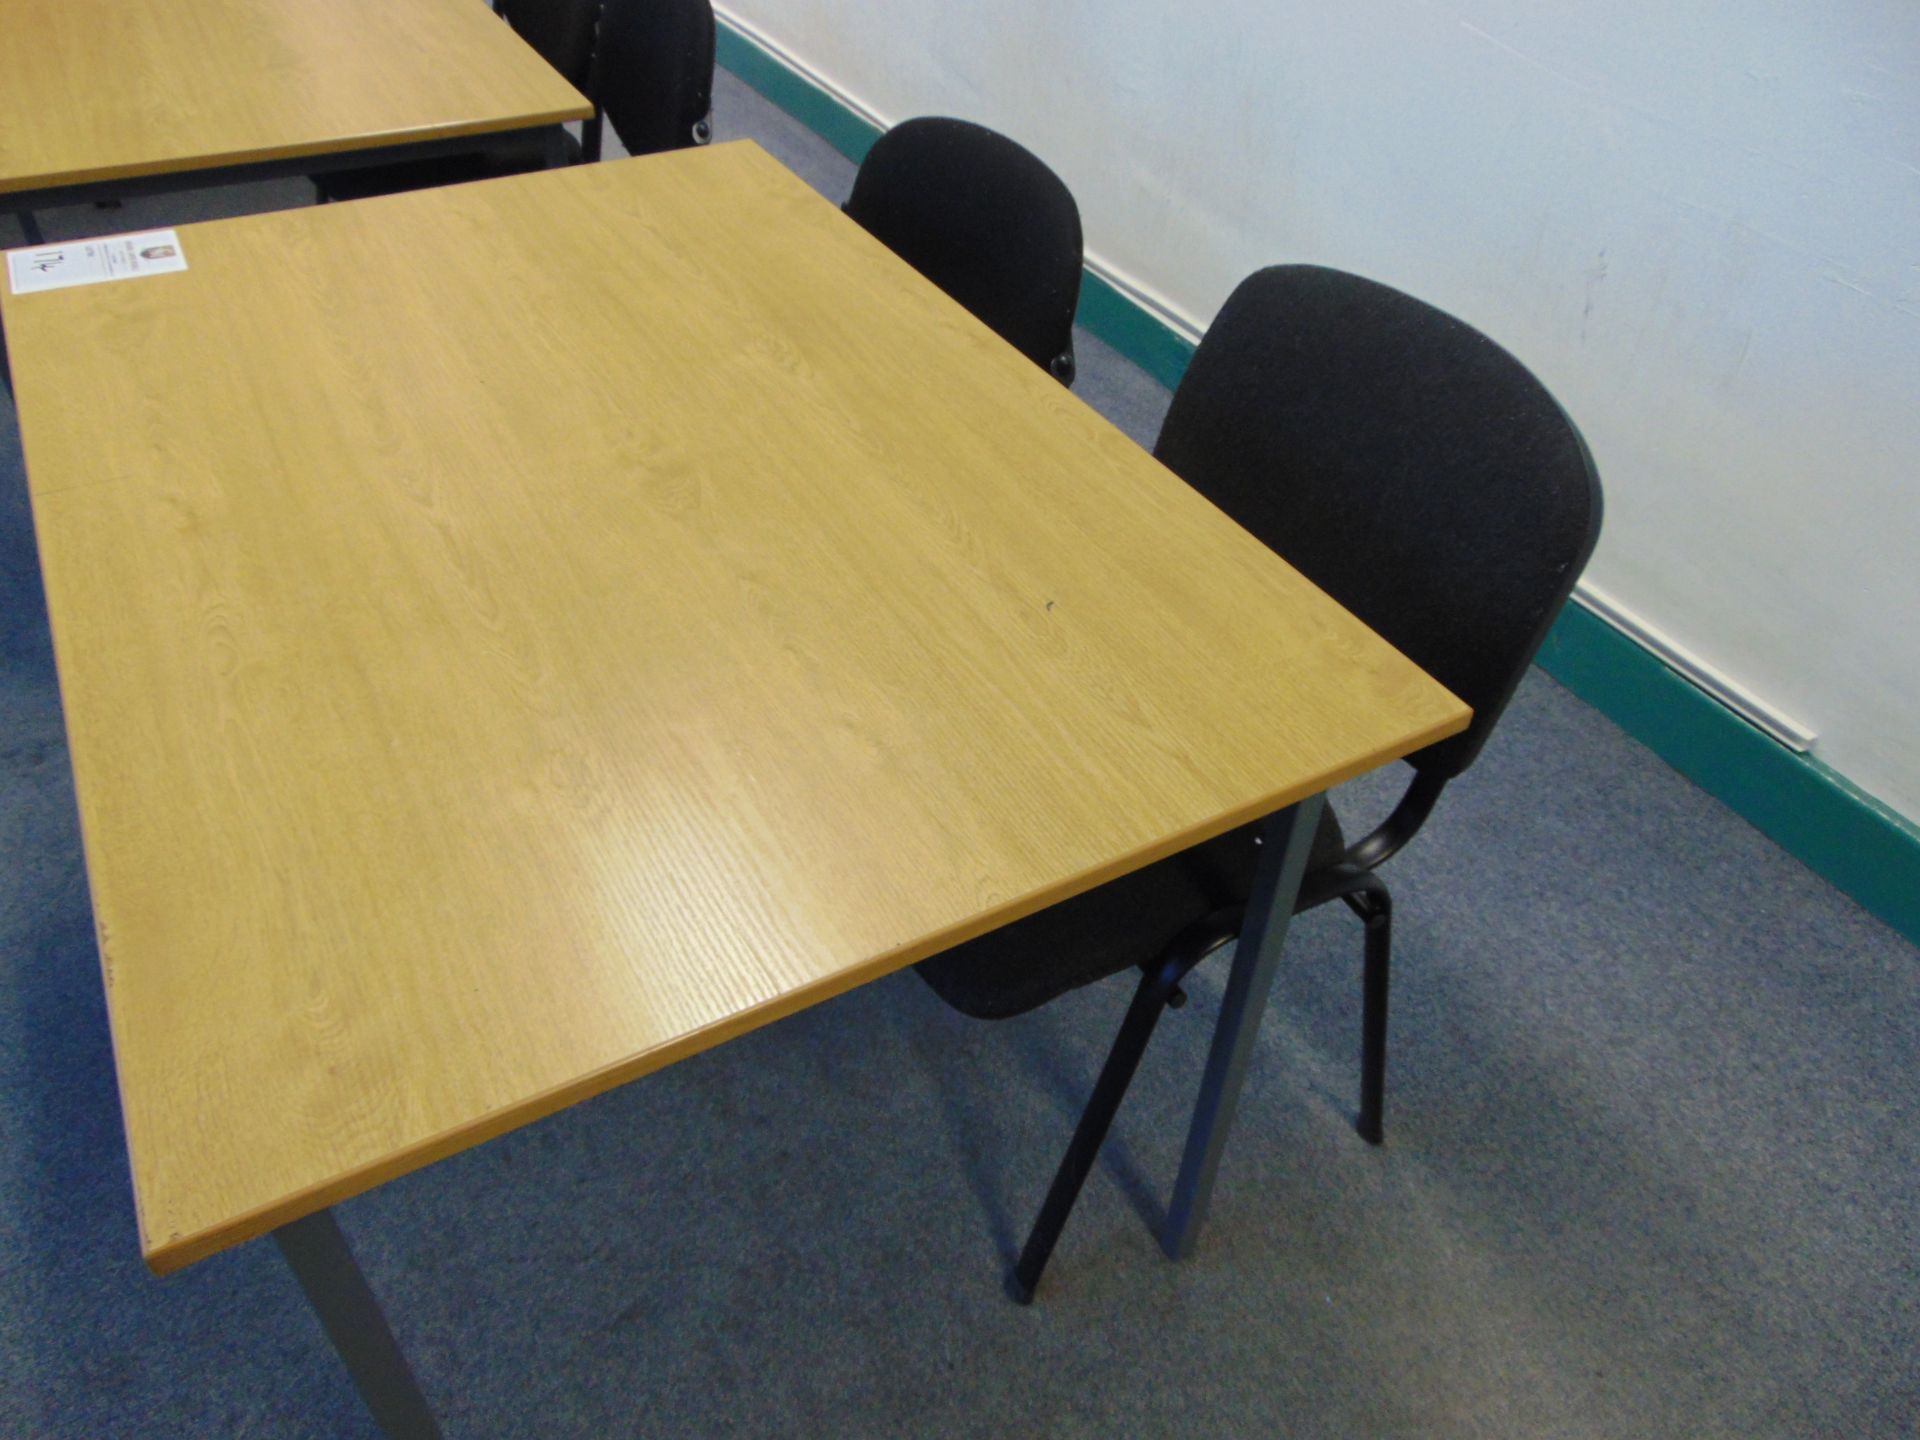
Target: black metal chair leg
1373 1017
1115 1076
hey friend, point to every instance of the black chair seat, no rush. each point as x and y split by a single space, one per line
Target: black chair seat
516 159
1118 926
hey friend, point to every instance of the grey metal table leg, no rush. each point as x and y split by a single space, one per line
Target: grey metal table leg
1283 860
338 1292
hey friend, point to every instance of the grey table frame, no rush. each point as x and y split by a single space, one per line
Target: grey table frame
323 1263
23 203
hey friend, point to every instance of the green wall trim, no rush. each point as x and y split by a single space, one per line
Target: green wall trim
1809 809
1156 348
823 113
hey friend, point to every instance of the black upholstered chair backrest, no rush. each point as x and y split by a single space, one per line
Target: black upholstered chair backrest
654 72
1404 463
986 221
562 31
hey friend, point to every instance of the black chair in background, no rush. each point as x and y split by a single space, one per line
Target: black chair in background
1422 477
986 221
647 66
562 32
655 73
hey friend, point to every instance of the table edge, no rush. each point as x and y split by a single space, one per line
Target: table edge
178 1252
338 145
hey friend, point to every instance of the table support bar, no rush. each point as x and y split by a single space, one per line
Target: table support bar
318 1255
16 202
1283 860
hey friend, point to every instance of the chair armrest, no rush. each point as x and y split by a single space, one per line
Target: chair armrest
1401 826
1199 940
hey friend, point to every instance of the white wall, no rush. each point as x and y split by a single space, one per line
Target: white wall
1698 222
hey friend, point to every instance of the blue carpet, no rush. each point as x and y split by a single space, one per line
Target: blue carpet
1651 1163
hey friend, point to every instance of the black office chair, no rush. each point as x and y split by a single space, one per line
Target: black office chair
986 221
1422 477
647 66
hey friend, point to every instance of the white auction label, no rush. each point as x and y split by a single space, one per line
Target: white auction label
89 262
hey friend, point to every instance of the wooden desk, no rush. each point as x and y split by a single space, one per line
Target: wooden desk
516 636
99 97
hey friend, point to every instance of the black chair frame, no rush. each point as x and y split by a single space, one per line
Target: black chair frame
1351 879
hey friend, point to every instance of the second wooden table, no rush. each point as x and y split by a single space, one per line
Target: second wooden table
99 98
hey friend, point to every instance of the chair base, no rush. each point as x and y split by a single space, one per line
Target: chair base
1108 1091
1376 909
1367 896
1159 990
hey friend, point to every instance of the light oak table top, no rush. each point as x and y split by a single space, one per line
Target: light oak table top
516 636
94 90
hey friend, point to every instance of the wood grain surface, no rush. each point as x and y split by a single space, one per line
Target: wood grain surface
110 89
519 635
